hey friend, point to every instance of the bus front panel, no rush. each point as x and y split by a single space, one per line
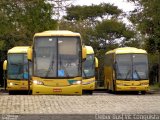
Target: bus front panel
57 60
132 72
17 74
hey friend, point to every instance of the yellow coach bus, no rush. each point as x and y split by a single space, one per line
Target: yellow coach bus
126 69
57 62
89 66
16 65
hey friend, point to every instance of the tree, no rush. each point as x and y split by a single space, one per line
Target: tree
146 17
108 31
99 27
79 13
20 19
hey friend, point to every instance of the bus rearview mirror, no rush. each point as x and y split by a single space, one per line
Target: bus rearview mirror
84 52
96 62
29 54
5 65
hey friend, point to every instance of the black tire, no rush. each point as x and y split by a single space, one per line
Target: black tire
91 92
143 92
11 92
87 92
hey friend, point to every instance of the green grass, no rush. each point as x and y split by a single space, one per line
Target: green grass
155 86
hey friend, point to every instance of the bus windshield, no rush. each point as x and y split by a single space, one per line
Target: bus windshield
89 66
132 66
57 57
17 66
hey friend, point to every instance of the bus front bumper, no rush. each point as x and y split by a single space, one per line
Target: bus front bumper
132 88
66 90
17 85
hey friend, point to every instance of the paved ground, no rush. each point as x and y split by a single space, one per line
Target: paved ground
104 103
99 106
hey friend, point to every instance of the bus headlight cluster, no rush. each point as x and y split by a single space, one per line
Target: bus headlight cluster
11 84
145 83
38 82
74 82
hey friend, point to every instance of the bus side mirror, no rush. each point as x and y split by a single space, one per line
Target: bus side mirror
29 54
96 62
5 65
84 52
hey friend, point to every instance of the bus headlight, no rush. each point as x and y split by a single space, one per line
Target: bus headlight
74 82
145 83
38 82
11 84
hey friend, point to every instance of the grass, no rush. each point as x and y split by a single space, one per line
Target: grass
156 86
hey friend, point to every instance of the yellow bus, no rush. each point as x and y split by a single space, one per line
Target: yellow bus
88 72
57 58
16 66
126 69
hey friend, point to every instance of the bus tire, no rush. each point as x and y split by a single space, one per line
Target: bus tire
11 92
88 92
143 92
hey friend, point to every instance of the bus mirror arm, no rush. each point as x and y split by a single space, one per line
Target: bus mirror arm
84 53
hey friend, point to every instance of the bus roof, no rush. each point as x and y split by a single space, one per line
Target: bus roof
57 33
125 50
18 49
89 50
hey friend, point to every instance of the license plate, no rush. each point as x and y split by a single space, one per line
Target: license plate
23 87
57 90
133 88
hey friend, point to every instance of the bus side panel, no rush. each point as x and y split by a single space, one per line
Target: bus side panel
108 72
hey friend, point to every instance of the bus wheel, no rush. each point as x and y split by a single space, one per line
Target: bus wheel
87 92
90 92
143 92
11 92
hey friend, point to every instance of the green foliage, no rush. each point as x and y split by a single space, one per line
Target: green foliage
91 12
20 19
112 29
147 19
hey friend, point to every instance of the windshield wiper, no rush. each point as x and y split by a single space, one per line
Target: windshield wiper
127 74
135 71
50 66
85 76
61 65
16 64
